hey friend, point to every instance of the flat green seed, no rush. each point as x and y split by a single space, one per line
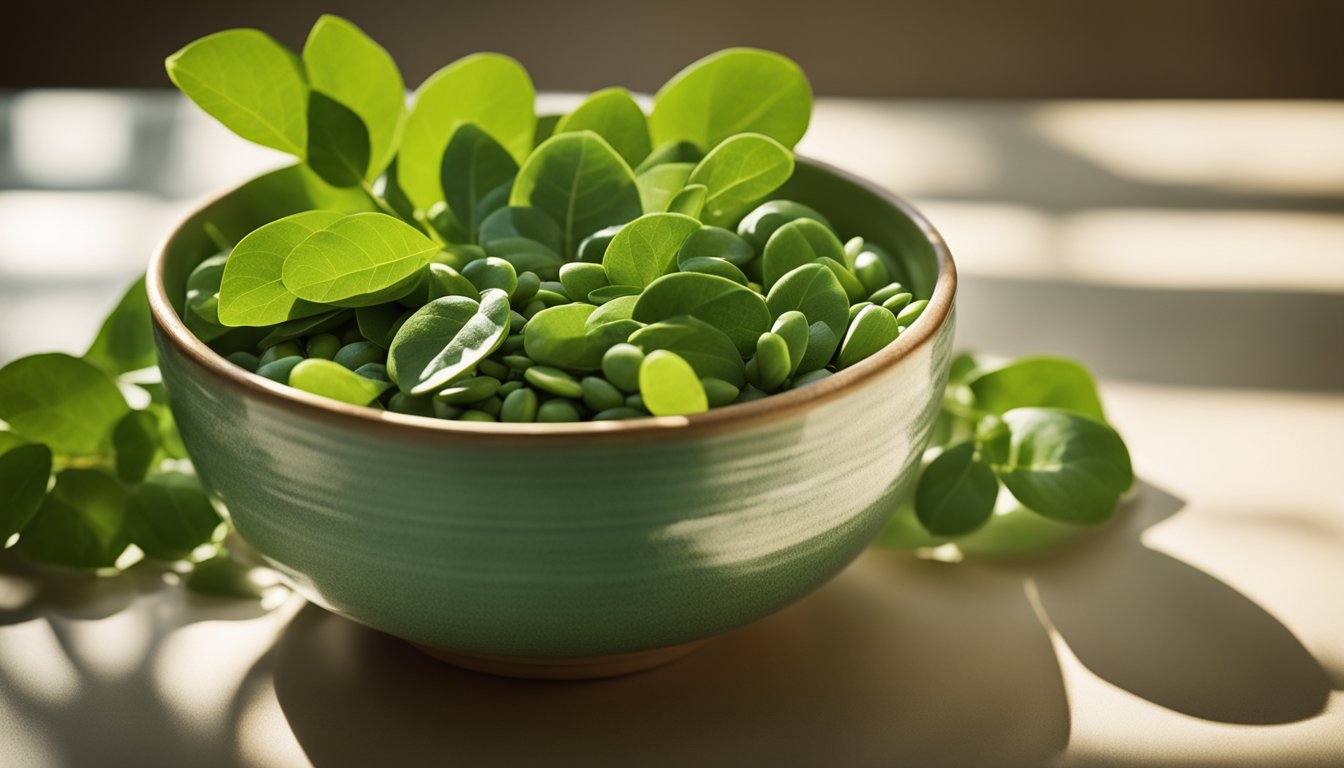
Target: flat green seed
580 278
528 283
520 406
471 389
549 297
772 356
533 307
636 401
873 329
518 362
516 321
669 386
351 335
886 292
792 327
594 246
600 394
557 411
620 364
493 368
279 351
492 272
444 410
553 381
718 243
750 393
490 405
323 346
622 412
811 377
912 312
719 392
871 271
853 288
278 370
896 304
359 353
509 386
512 343
710 265
411 405
245 360
855 309
611 293
476 416
374 371
853 247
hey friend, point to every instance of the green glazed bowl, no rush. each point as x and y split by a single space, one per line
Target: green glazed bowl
594 547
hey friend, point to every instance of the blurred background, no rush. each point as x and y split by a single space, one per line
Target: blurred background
1154 187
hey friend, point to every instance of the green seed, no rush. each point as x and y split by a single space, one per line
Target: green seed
873 329
351 335
580 279
853 288
279 351
549 298
618 413
444 410
594 246
719 392
855 309
912 312
636 401
476 416
278 370
469 390
412 406
710 265
323 346
520 406
374 371
518 362
554 381
492 272
871 271
611 293
792 327
359 353
896 304
490 405
669 385
772 356
886 292
620 364
600 394
853 247
750 393
811 377
533 307
757 226
754 372
556 411
512 343
716 242
245 360
508 387
493 368
528 283
516 321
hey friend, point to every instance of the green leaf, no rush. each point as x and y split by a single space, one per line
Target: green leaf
338 142
712 266
734 91
873 328
813 290
708 350
377 323
473 166
821 345
170 515
519 222
81 523
581 183
126 340
24 473
222 576
671 152
690 200
956 493
740 172
798 242
562 337
346 65
252 291
446 338
669 385
135 441
718 243
1062 465
63 401
487 89
304 326
359 260
765 219
1044 382
736 310
249 82
612 114
333 380
646 248
660 185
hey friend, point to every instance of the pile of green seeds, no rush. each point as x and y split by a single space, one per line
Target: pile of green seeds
602 264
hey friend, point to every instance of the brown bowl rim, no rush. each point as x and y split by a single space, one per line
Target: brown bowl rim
782 405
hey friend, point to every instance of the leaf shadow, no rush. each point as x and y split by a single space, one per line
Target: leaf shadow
1172 634
855 669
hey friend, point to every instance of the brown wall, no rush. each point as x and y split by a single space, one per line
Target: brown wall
941 48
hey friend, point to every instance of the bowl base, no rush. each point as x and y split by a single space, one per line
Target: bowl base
564 668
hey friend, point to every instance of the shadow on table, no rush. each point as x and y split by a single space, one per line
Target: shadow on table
954 668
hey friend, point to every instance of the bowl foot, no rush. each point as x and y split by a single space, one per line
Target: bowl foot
564 668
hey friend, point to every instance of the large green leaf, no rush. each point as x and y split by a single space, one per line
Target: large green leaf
799 242
956 493
249 82
344 64
356 260
252 291
563 336
338 142
709 351
813 290
24 473
473 166
446 338
736 310
68 403
1062 465
612 114
660 185
81 523
646 248
1045 382
739 173
487 89
581 183
135 443
170 515
734 91
126 340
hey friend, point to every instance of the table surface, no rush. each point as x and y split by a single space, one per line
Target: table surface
1191 253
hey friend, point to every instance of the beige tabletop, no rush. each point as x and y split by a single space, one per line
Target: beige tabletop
1191 253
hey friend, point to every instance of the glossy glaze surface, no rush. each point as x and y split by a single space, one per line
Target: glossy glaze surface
583 540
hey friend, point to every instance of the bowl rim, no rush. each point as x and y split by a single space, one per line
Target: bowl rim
775 407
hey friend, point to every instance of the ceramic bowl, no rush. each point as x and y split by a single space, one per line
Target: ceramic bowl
560 549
